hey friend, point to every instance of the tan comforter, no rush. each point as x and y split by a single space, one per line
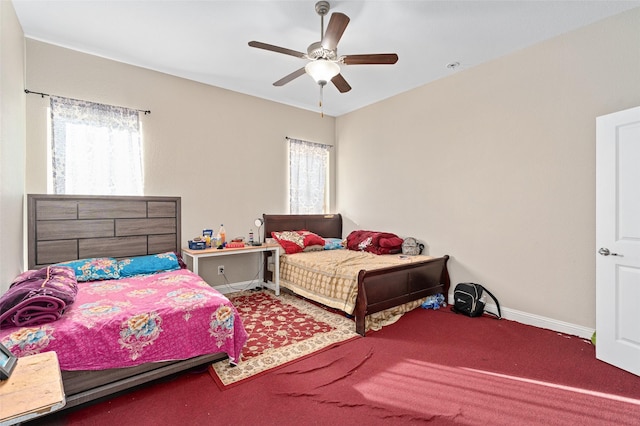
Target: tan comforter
330 277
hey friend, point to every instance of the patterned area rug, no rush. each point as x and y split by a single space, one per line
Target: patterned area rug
281 329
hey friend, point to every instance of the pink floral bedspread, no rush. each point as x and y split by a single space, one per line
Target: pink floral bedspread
131 321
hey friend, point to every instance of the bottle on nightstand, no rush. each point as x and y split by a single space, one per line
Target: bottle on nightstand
222 235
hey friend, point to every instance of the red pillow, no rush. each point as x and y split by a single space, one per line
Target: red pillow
290 241
311 239
296 241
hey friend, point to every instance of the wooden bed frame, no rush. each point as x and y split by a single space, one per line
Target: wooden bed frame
70 227
378 289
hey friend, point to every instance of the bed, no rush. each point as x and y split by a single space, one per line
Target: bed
198 323
386 283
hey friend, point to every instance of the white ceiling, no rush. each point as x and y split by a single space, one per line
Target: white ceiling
206 40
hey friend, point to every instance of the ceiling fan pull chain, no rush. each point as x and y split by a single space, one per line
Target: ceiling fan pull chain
321 108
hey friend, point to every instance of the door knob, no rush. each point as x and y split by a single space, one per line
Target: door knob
605 252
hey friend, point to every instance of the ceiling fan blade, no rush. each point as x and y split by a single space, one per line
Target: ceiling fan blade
374 59
277 49
337 24
340 83
284 80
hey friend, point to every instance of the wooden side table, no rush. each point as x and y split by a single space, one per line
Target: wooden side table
33 389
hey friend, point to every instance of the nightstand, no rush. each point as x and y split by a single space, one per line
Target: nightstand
33 389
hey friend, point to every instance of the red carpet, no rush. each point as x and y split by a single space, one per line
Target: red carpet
431 366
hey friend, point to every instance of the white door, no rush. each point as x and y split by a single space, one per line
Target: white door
618 239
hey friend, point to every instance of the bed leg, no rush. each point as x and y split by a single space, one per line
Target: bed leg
360 320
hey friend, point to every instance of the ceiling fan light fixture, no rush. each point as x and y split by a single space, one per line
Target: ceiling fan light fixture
322 71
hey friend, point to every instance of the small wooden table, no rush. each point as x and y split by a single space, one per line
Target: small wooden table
33 389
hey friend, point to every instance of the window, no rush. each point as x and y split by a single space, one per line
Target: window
308 177
95 149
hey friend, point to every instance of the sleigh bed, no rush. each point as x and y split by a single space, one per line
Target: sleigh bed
196 321
382 283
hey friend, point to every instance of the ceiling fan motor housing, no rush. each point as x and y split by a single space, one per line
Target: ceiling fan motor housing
316 51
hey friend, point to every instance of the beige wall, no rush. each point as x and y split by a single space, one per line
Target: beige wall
495 166
223 152
12 149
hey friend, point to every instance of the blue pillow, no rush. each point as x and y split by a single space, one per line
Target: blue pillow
94 268
148 264
333 243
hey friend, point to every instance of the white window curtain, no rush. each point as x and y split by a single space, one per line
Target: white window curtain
308 176
96 148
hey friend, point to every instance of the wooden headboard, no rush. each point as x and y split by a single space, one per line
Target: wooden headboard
325 225
70 227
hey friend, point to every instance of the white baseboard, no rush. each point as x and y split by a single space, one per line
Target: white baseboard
548 323
542 322
240 286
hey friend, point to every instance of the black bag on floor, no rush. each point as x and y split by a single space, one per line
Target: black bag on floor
468 300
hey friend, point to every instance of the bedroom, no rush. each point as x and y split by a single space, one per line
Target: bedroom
496 173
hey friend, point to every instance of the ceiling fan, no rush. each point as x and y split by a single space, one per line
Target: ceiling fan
324 61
